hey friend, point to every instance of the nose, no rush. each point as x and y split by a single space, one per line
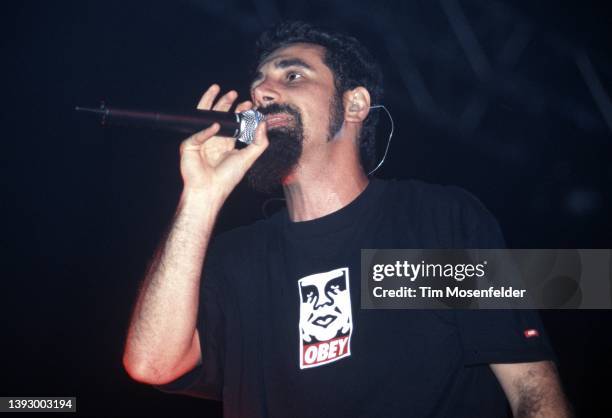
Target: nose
264 94
323 300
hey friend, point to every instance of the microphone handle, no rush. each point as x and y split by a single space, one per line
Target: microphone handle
186 123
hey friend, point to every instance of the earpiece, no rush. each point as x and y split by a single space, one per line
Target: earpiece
388 141
354 107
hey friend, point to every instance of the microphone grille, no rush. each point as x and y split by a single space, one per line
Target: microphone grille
248 123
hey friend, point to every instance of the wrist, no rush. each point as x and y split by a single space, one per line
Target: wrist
201 201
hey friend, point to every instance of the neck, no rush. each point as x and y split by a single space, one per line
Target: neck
325 183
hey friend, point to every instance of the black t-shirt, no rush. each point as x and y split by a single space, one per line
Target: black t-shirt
283 335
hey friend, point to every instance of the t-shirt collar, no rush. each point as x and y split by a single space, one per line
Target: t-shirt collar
337 220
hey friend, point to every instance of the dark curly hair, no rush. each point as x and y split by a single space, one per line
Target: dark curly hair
349 61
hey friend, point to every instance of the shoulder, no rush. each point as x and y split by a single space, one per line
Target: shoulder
436 200
452 211
432 196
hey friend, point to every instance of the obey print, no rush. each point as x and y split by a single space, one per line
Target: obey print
326 322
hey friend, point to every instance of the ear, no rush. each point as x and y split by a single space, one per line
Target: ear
356 103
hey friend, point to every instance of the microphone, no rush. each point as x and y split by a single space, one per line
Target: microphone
235 125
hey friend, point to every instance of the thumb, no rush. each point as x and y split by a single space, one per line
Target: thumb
259 144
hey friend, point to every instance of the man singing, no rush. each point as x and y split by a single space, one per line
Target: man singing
266 317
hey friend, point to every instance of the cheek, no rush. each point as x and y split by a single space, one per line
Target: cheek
316 120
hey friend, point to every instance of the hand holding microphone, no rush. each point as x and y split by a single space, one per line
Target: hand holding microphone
210 163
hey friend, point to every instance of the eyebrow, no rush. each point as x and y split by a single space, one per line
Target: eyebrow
285 63
292 62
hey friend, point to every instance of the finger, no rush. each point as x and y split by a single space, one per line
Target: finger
244 106
259 144
198 138
226 101
207 133
208 97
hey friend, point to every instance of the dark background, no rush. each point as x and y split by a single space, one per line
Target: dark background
506 99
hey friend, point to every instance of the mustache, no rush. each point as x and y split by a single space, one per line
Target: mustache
280 108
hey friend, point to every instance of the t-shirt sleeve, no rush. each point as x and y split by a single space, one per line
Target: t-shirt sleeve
502 336
497 336
206 379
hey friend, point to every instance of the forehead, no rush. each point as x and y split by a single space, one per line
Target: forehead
311 54
321 279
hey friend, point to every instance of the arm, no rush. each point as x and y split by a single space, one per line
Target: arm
533 389
163 342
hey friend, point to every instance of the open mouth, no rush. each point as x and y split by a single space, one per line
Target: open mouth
278 119
324 321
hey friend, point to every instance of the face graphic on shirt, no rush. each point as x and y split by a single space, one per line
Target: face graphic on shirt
325 310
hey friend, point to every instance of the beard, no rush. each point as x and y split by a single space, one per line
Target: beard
283 152
266 175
